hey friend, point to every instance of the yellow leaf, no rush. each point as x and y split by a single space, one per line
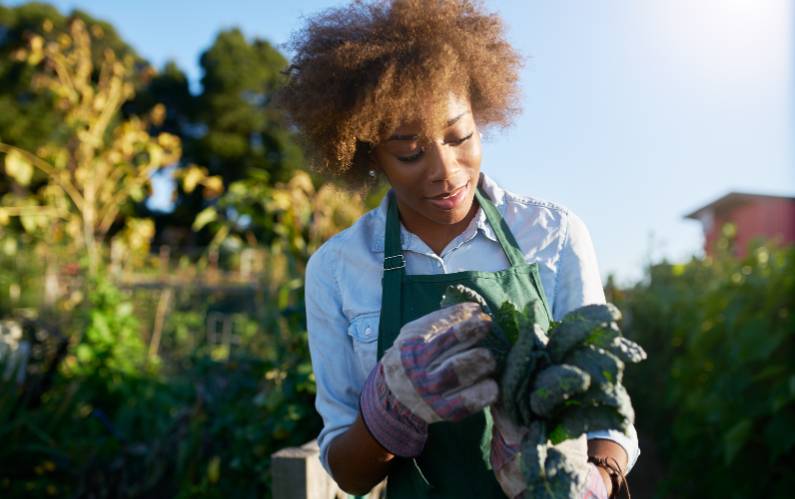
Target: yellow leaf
280 201
158 114
172 147
18 167
31 221
191 177
138 233
137 193
301 180
155 155
36 53
204 217
213 186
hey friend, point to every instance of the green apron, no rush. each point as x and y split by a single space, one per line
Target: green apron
451 465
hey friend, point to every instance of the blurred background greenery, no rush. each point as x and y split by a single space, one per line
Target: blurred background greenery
163 354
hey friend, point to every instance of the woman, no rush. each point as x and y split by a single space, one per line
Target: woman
401 90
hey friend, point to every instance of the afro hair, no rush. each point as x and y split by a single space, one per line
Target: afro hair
360 71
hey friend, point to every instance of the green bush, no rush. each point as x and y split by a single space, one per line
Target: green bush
717 393
116 423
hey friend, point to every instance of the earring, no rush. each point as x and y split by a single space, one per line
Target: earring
372 173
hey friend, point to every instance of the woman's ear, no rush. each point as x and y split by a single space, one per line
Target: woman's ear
364 157
373 167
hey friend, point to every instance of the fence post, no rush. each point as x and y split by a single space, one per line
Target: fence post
298 474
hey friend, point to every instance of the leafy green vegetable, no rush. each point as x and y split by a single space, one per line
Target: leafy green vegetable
558 383
601 365
454 295
524 359
575 421
555 384
497 341
626 350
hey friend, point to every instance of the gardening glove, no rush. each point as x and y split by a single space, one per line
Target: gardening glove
432 372
527 465
595 487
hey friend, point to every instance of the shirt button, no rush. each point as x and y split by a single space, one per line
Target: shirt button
368 331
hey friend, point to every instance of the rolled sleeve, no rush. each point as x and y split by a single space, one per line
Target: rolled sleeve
577 284
629 442
333 358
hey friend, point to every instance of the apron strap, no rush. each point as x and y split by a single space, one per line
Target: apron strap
501 230
394 270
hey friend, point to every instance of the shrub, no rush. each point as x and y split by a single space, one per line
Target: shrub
718 391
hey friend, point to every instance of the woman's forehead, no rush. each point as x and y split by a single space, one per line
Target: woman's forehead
453 110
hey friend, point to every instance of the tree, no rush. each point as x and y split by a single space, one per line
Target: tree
243 131
29 118
103 163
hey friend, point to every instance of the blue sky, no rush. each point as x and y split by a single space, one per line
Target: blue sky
634 112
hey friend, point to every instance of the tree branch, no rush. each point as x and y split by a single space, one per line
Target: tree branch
45 167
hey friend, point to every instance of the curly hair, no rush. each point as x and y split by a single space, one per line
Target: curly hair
360 71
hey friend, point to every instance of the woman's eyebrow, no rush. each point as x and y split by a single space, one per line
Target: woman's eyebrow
450 122
453 120
403 137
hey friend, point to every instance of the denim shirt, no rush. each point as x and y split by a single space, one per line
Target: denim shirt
343 291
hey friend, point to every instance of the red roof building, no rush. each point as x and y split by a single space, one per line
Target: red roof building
753 215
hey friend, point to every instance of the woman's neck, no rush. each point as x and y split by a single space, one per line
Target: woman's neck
436 236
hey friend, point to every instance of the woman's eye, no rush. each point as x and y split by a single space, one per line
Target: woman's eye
462 140
411 158
456 142
417 155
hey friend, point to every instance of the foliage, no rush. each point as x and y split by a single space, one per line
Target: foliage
230 127
244 133
718 393
197 418
115 422
296 216
110 346
28 118
105 164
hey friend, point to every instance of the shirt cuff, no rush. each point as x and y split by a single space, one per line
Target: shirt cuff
629 443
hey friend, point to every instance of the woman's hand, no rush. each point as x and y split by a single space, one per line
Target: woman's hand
433 372
514 453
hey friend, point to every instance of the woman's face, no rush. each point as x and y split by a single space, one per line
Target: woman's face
434 180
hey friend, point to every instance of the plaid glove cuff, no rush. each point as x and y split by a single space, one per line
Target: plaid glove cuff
391 423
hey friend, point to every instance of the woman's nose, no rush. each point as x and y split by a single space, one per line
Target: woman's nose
443 161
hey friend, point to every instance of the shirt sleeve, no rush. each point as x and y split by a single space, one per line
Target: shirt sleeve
331 351
577 284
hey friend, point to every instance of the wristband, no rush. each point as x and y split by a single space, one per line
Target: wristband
620 488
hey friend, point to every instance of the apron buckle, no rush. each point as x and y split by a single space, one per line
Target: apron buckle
400 264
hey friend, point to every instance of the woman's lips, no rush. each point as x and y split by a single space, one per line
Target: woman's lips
454 199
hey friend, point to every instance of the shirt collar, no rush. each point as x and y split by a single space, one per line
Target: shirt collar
411 242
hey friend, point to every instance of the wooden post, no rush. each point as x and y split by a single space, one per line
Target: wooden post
298 474
246 263
163 306
165 259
